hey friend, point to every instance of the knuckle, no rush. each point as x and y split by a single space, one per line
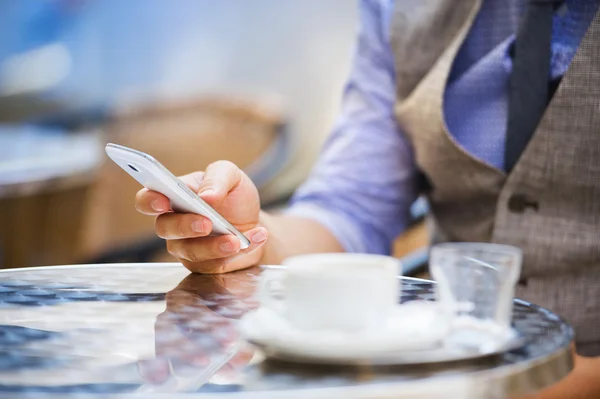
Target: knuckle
215 250
232 170
228 164
181 226
222 163
225 167
208 182
172 248
160 227
193 180
189 253
203 267
197 179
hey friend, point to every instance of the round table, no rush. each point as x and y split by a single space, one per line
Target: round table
155 330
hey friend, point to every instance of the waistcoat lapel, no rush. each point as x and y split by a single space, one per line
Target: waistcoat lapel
422 32
426 36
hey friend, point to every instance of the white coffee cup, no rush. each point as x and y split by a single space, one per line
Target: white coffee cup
335 292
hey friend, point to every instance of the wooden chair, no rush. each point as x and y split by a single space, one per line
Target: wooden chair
42 196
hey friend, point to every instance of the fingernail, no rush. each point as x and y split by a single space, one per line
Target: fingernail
259 237
157 206
207 192
198 226
226 247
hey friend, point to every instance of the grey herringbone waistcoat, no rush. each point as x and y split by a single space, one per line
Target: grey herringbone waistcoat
549 205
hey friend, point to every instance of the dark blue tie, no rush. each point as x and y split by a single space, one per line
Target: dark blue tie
529 91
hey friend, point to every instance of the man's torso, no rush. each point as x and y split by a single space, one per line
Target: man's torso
548 204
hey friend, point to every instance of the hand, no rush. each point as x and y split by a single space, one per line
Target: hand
230 192
196 335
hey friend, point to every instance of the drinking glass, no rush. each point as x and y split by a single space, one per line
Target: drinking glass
477 279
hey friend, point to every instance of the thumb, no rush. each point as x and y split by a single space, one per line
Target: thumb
219 179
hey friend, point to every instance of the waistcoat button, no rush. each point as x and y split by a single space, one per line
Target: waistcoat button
517 203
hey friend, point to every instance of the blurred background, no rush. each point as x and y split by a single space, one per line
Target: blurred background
257 82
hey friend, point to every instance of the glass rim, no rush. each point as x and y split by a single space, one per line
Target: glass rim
478 246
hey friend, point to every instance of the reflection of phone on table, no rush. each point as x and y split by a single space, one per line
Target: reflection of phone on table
154 176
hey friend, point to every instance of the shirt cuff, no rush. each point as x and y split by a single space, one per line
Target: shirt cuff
343 228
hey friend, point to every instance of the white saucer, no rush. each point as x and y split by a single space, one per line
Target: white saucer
415 326
415 334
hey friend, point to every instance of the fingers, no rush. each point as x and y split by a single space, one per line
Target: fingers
187 235
211 255
198 250
175 226
220 178
151 203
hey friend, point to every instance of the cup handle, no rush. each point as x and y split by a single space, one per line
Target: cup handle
265 291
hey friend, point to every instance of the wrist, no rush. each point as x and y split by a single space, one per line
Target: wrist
265 221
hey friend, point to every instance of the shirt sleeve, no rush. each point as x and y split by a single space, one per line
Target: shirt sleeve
364 183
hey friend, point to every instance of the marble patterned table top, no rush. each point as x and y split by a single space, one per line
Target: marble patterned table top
157 330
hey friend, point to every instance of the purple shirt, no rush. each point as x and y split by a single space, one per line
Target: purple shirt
364 183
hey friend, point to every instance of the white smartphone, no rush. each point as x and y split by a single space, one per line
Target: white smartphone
154 176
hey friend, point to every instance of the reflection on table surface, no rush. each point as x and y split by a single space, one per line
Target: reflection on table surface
156 328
